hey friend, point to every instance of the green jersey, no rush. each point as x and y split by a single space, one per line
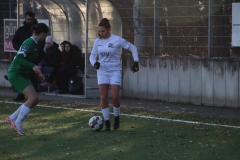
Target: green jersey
23 62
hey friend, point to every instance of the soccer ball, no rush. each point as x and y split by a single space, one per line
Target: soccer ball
96 123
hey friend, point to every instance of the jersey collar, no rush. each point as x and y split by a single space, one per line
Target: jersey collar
34 40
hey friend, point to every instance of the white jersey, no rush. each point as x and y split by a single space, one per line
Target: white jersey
109 52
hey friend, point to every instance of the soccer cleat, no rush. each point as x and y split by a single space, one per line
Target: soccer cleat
116 123
45 84
107 125
17 130
7 120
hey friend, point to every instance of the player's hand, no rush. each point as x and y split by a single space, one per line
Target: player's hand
37 69
135 67
41 77
96 65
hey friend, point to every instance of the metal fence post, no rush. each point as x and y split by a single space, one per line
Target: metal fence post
156 29
86 49
210 29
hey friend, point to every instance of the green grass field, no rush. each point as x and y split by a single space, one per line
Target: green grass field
55 133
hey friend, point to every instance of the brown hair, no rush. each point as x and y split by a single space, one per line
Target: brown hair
105 23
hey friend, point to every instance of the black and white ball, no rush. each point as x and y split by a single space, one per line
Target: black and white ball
96 123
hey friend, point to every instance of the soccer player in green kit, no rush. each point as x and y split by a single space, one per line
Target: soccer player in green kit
20 68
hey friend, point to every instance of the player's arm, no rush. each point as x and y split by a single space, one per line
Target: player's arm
94 53
134 51
21 54
93 56
20 60
129 46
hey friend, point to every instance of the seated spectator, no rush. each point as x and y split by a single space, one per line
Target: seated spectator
54 72
63 50
62 46
52 57
72 62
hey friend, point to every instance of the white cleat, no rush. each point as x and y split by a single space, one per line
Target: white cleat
17 130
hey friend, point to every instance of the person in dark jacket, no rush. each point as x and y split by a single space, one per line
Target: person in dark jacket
54 72
52 57
23 33
72 62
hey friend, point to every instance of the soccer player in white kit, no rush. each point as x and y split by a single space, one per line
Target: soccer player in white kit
106 58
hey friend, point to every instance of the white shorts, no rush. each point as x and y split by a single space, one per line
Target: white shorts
109 77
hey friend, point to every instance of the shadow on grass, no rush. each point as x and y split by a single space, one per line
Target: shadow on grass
64 134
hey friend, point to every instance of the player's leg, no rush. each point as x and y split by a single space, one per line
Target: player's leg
32 101
13 116
16 82
116 105
115 82
103 82
103 88
23 85
32 98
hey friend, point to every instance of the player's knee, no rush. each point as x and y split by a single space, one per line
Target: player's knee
115 98
104 97
35 100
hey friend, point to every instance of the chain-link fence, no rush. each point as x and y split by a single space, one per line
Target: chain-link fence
196 28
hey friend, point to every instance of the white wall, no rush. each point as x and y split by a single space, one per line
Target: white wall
209 82
197 81
3 71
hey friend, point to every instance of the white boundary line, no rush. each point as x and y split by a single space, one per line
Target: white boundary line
146 117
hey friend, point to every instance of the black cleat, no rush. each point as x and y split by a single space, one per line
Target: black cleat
107 125
116 123
19 97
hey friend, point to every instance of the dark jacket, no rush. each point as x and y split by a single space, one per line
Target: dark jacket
73 59
53 56
24 32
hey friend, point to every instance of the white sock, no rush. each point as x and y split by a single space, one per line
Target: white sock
14 116
22 114
105 113
116 111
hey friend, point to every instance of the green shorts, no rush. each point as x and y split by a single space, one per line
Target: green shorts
20 82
